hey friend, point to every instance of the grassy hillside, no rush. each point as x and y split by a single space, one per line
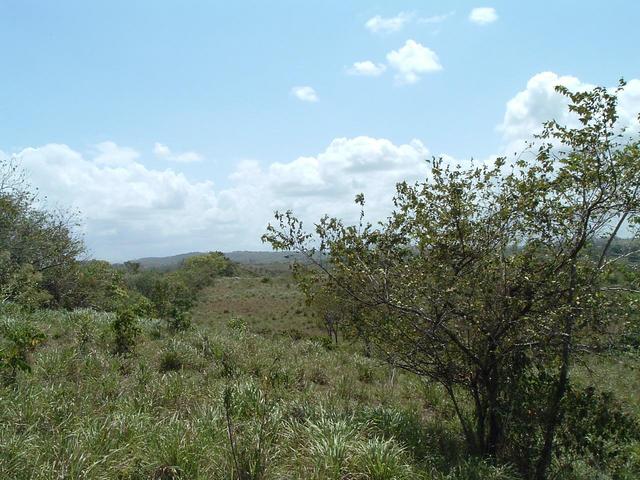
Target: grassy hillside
295 409
239 396
268 305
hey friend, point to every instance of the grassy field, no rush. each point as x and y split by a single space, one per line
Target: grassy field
619 373
269 305
237 396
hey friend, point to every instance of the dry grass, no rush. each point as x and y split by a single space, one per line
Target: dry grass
266 304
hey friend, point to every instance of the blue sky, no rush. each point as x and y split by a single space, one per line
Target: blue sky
194 99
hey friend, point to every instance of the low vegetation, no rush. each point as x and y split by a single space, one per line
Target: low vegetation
219 401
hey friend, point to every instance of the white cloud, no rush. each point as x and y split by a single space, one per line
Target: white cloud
345 161
187 157
380 24
483 15
305 93
412 60
539 102
110 154
162 151
131 210
629 106
367 68
128 208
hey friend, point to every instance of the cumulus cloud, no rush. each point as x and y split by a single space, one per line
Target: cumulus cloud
483 15
305 93
345 162
380 24
539 102
160 150
629 106
110 154
412 60
125 205
131 210
367 68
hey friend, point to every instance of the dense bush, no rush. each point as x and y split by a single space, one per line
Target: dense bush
18 339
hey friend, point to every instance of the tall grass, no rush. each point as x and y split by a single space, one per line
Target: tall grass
219 402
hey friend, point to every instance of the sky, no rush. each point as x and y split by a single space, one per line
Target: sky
177 126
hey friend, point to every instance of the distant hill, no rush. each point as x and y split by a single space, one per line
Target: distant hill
241 257
263 258
163 263
278 261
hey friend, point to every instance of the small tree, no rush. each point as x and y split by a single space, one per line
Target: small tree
44 240
201 271
487 279
126 325
18 339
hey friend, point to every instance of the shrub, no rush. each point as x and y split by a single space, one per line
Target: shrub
23 286
170 361
84 329
18 339
478 469
237 324
380 459
596 427
126 330
366 371
179 320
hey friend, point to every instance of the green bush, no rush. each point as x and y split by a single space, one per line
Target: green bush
477 469
18 339
596 428
126 330
179 320
380 459
237 324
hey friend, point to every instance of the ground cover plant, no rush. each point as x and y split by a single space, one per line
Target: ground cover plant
293 409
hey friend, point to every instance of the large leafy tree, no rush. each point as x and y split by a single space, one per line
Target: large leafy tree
490 279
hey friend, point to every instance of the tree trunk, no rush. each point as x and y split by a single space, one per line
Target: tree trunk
554 413
480 440
493 412
472 441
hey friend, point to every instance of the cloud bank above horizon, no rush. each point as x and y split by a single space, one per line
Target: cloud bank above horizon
131 210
